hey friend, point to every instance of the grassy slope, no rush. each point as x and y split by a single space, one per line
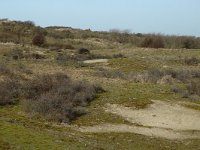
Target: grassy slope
19 131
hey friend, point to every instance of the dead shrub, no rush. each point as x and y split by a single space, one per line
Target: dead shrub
153 42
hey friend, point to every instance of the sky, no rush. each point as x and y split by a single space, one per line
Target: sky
170 17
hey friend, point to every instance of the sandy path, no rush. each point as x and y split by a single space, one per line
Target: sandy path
160 119
95 61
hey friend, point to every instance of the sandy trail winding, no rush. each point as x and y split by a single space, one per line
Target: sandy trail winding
160 119
95 61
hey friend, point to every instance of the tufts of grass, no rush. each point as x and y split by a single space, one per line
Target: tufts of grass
191 61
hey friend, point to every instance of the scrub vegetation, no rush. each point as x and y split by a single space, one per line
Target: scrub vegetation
48 92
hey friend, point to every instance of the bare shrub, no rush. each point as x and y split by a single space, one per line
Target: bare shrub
183 75
83 51
153 42
189 43
58 98
9 91
38 40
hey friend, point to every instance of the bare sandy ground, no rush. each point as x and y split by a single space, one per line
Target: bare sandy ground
95 61
160 119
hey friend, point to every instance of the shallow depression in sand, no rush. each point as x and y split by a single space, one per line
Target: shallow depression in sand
160 119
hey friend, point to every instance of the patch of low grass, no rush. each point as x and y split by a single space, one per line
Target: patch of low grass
5 70
191 61
192 106
21 137
110 73
128 65
194 87
134 95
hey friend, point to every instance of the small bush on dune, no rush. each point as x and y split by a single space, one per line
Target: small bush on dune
56 97
10 90
38 40
190 43
153 42
10 84
83 51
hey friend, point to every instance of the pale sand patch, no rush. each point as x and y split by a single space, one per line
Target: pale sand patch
160 114
160 119
153 132
95 61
